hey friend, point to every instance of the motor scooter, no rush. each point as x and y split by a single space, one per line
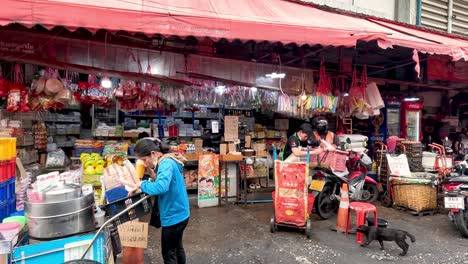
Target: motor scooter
455 188
326 185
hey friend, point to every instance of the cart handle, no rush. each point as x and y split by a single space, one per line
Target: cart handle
402 146
437 148
384 147
111 220
441 148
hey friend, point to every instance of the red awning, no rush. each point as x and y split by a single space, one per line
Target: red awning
456 48
258 20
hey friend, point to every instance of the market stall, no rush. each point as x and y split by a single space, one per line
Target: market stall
71 116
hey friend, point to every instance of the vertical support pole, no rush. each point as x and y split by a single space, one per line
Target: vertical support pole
418 12
450 16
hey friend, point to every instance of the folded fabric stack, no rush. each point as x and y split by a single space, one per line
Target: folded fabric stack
357 143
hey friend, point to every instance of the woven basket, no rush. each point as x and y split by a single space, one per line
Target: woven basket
417 197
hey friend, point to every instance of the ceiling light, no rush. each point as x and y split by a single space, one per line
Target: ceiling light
411 99
253 89
346 94
275 75
220 89
106 82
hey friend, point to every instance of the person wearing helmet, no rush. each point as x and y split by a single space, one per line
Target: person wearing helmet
321 132
297 140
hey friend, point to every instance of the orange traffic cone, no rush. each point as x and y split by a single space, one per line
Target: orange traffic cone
342 218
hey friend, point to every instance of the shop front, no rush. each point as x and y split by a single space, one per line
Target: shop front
225 89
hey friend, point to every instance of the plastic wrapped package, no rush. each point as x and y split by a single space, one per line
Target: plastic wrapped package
56 159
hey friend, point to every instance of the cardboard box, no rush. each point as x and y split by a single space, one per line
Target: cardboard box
260 149
72 249
231 147
223 149
231 128
198 145
248 141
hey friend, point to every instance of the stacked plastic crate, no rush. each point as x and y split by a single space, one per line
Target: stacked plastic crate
7 176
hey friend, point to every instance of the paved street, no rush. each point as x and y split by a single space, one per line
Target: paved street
240 234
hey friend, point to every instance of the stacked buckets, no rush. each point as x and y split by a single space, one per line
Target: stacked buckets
7 176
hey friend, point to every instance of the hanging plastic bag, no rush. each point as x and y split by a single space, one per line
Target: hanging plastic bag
373 96
358 103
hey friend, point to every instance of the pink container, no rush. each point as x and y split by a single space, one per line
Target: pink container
391 144
10 231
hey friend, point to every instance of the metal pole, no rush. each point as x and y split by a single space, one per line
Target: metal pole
450 16
418 12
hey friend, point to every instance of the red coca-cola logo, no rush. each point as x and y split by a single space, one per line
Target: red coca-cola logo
415 106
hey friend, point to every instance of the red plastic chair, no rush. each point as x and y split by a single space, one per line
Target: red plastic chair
361 209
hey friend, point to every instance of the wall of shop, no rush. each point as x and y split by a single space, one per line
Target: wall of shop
399 10
449 15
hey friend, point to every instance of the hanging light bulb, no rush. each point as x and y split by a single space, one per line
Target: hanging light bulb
106 82
303 94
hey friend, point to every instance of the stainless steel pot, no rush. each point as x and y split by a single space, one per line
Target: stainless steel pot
57 219
62 192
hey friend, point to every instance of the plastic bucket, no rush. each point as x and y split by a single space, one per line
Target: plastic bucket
16 219
10 231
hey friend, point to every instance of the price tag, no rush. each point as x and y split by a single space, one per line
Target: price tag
454 202
214 127
317 185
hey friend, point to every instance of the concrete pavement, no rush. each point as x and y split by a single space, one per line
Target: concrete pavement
241 234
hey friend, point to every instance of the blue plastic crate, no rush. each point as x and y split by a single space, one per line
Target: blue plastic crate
11 206
3 191
3 210
78 150
11 188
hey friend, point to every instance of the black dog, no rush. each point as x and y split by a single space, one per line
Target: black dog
386 234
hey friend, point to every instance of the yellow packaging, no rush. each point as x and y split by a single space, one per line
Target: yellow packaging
140 169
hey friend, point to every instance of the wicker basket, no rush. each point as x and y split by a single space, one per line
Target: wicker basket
417 197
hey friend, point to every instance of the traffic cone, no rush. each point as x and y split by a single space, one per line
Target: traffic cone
342 218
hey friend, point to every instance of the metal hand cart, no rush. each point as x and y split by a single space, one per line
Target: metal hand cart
134 206
306 224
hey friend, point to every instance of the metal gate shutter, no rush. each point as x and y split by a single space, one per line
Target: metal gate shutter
460 17
434 14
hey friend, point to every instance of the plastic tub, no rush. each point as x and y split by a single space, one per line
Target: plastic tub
4 149
380 222
16 219
10 231
18 213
